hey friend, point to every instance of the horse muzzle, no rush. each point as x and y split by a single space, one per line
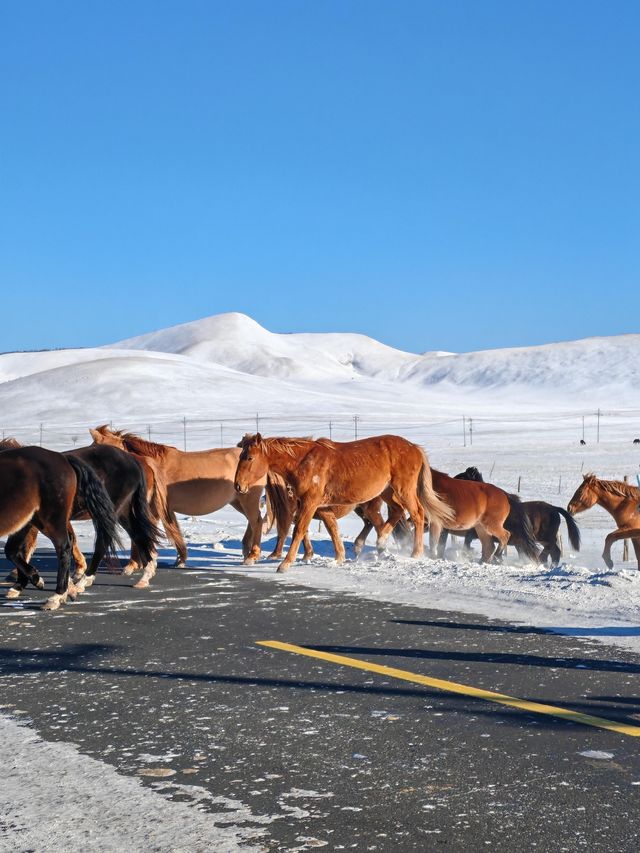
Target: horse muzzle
241 490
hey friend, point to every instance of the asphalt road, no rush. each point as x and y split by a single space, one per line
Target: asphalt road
170 683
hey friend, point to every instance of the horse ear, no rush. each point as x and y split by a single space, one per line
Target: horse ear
258 438
95 435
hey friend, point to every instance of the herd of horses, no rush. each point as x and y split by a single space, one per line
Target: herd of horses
122 480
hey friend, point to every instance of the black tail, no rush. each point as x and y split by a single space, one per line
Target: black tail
99 506
519 525
572 527
144 532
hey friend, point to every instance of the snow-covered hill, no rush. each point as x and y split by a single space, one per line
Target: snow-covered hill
229 366
237 341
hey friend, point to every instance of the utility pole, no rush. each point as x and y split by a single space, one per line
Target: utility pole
41 428
184 431
221 439
257 422
470 430
330 431
598 430
583 427
355 426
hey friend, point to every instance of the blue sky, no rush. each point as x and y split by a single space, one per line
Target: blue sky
438 175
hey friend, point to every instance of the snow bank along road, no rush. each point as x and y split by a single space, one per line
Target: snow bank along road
167 724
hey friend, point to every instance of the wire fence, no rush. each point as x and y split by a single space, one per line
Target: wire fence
190 432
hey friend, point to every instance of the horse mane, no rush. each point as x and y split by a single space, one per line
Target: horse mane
9 443
614 487
289 445
136 444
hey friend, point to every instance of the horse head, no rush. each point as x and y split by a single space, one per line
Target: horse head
104 435
585 495
253 463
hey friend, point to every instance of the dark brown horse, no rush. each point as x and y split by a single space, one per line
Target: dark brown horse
545 520
621 500
40 488
124 480
327 473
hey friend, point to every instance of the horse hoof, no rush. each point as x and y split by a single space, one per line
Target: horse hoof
12 577
179 564
12 593
129 570
249 561
282 568
55 601
143 583
73 592
39 584
274 556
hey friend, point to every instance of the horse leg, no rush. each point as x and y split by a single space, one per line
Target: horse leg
62 543
14 550
27 546
620 533
255 531
249 506
246 539
361 538
305 514
636 548
469 537
396 511
134 564
371 517
435 530
78 556
327 516
308 548
544 555
416 514
144 548
442 542
175 535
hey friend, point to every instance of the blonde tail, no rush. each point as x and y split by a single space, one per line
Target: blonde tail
434 506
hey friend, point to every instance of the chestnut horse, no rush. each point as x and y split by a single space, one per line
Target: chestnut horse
326 473
620 500
197 483
545 520
282 507
40 487
486 508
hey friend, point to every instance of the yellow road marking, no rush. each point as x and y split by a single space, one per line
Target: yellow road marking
454 687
